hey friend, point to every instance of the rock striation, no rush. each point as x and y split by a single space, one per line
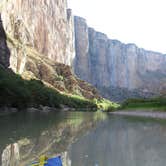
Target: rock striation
46 26
109 63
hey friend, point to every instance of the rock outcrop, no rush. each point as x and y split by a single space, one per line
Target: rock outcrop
109 63
46 26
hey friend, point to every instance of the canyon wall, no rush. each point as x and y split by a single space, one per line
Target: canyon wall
46 26
37 41
30 29
109 63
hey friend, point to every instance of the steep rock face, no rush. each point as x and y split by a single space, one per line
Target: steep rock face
46 26
110 63
37 41
81 64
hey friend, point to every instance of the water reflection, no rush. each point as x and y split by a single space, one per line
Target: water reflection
121 141
82 140
10 155
25 136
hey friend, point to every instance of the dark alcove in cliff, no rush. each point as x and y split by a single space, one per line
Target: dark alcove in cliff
4 50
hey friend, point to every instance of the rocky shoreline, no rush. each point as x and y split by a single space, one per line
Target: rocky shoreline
151 114
42 109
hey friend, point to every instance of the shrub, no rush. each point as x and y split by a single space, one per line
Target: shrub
16 92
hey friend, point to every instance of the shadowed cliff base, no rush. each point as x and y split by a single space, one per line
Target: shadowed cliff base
16 92
19 93
118 94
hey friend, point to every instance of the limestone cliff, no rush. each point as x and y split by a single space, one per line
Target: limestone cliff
37 41
109 63
46 26
35 36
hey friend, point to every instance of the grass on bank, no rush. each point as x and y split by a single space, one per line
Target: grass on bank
19 93
158 103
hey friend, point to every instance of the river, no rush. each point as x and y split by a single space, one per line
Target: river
82 139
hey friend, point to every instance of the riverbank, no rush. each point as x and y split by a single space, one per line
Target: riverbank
157 104
18 94
141 113
44 110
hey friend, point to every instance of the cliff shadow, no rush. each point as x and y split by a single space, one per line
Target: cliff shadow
4 50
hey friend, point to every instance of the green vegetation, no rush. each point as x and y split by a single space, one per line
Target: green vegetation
59 78
106 105
158 103
20 93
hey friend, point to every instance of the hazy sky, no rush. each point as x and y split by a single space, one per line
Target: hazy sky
142 22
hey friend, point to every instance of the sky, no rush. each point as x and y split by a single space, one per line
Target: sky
142 22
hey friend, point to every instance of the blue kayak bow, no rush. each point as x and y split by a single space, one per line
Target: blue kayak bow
44 161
